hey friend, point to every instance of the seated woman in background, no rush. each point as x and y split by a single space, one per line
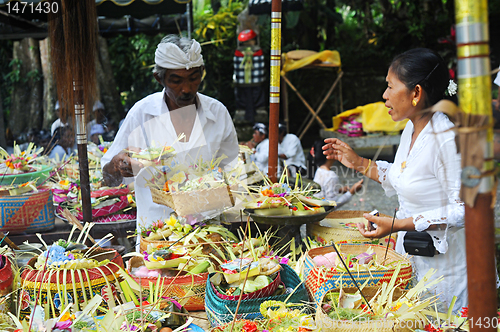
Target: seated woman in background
329 180
63 138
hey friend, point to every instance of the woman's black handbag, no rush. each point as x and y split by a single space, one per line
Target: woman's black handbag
419 244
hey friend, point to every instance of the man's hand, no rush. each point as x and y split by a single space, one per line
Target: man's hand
121 166
356 187
282 156
250 144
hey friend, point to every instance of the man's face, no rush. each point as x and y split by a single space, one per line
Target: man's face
258 136
181 86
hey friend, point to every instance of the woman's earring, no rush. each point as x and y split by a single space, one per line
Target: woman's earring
414 102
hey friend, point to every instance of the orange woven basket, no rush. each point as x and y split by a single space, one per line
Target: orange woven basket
175 287
320 280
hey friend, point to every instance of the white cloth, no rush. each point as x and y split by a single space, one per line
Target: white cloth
169 55
149 122
329 182
291 147
59 153
428 186
261 156
497 79
56 124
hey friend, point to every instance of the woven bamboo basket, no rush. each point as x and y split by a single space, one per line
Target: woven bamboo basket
194 201
327 324
30 212
320 280
143 244
336 227
175 287
220 312
78 285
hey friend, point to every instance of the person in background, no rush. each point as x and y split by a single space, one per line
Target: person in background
62 141
99 119
329 180
260 146
57 123
425 175
94 133
291 152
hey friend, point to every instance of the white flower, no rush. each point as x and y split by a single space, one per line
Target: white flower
452 88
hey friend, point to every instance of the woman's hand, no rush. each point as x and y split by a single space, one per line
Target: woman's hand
338 150
384 226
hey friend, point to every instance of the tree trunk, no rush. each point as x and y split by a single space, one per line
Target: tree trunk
26 109
108 92
3 141
49 85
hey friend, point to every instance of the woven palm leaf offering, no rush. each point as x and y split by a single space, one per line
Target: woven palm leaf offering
279 203
20 162
277 317
341 227
324 270
191 189
134 312
109 204
69 272
249 277
153 155
389 309
185 261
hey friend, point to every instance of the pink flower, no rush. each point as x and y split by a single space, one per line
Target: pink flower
284 260
63 325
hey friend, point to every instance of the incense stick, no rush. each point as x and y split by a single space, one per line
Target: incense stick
390 234
348 271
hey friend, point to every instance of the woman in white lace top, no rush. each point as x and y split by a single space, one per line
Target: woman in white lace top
425 174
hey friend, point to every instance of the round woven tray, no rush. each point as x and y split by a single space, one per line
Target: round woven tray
143 245
194 201
335 227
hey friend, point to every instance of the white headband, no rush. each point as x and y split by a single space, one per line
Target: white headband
170 56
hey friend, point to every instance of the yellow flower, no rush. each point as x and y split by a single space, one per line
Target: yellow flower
130 199
65 317
171 221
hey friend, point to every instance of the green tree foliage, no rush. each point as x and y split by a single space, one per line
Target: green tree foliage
132 59
217 35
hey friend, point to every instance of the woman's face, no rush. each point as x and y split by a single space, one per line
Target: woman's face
398 98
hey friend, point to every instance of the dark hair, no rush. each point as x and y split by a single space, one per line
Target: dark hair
319 157
425 67
282 128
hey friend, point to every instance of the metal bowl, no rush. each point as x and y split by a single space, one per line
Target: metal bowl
288 220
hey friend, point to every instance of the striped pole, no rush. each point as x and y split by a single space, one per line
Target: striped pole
475 100
274 90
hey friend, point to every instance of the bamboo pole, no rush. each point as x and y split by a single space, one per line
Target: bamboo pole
475 100
274 90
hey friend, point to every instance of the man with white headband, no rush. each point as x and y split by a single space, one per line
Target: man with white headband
160 118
